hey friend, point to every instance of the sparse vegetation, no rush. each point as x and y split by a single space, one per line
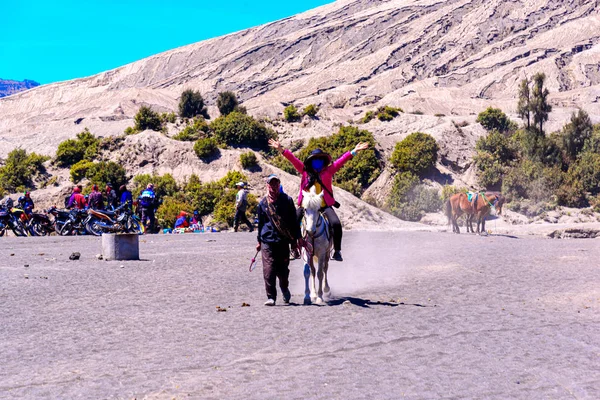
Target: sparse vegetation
19 169
237 129
191 104
493 119
248 160
311 111
71 151
146 119
384 113
194 130
416 154
206 148
290 114
227 103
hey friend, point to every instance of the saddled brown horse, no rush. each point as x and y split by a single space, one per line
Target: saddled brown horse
479 208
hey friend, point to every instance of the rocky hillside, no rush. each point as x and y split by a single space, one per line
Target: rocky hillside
452 57
8 87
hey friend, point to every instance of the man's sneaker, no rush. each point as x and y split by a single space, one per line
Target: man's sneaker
270 302
337 256
286 296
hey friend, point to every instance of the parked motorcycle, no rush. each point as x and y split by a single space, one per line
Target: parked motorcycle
40 224
59 217
122 219
75 225
10 220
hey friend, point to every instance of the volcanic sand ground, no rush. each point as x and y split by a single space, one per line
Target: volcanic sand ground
416 315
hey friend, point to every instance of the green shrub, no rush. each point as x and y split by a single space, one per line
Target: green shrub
494 119
397 202
416 154
147 119
587 171
363 169
105 172
130 131
193 131
71 151
231 178
498 145
206 148
169 210
576 133
248 160
592 144
311 110
572 192
203 196
532 180
290 114
227 102
237 129
191 105
383 113
164 185
19 169
449 190
170 118
79 170
369 115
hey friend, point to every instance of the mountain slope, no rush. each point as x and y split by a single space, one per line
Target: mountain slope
8 87
453 57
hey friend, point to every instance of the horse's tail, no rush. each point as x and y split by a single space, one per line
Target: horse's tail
448 211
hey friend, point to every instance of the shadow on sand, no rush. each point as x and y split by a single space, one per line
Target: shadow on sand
366 303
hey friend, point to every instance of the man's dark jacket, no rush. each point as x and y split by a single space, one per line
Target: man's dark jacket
285 208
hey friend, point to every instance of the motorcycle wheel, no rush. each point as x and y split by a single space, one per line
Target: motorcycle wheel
2 232
38 229
18 229
93 228
66 229
134 226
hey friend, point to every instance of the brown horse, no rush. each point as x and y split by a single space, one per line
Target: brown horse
479 207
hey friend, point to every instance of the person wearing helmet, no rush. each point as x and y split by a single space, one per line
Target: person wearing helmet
318 171
77 200
147 202
241 204
26 203
95 199
111 198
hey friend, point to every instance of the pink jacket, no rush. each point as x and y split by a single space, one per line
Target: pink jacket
326 175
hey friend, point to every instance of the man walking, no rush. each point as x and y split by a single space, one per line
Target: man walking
147 201
277 229
241 205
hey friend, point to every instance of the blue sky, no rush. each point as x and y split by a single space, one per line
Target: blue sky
49 41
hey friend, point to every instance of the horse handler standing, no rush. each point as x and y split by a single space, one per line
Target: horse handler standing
277 229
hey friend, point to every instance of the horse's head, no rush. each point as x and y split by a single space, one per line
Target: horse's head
311 202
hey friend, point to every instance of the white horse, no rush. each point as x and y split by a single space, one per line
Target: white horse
318 239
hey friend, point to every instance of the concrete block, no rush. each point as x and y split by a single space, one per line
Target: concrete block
122 246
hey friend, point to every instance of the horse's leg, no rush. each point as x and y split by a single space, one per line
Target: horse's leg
320 274
306 288
313 289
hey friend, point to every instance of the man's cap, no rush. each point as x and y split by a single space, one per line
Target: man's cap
271 177
240 184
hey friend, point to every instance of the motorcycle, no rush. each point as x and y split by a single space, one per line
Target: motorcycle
40 224
10 220
59 217
122 219
75 224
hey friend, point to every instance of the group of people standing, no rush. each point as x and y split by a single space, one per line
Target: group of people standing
279 221
110 199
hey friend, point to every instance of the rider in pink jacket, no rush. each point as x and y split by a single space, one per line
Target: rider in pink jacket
318 169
